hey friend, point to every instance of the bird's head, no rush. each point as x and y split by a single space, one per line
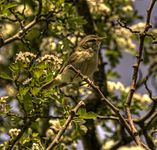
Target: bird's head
91 42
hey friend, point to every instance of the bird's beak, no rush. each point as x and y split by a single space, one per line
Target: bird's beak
99 40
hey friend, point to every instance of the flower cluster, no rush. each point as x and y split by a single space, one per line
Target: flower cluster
24 57
54 127
35 146
14 132
138 27
49 133
48 44
124 40
112 86
3 104
98 6
110 143
131 148
127 8
7 29
26 9
54 60
55 124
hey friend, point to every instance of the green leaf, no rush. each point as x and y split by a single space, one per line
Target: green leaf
83 129
86 115
89 115
79 120
81 111
112 74
20 16
8 6
59 2
26 140
37 73
79 127
49 77
5 76
35 134
23 90
1 2
14 67
35 90
41 65
27 102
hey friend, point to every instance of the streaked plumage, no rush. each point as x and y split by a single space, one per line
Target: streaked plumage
84 58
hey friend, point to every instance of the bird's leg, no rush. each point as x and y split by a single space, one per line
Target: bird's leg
76 75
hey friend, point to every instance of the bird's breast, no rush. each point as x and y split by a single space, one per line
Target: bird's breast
87 62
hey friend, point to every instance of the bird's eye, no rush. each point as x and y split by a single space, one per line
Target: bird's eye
85 46
88 44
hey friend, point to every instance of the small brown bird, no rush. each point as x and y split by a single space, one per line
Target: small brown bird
84 58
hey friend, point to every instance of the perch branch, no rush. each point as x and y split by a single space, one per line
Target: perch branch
108 103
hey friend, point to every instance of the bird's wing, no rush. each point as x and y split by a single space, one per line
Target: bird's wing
72 58
63 66
65 63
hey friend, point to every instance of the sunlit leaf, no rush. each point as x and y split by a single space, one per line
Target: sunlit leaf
23 90
59 2
83 129
5 76
8 6
86 115
35 90
37 73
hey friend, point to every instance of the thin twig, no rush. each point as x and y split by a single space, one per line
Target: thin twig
108 117
13 141
151 119
122 24
65 126
19 35
153 107
135 75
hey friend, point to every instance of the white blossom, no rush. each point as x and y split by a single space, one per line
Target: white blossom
138 27
127 8
14 132
24 57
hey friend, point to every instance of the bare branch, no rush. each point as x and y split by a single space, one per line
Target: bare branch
135 75
13 141
20 34
65 126
153 107
122 24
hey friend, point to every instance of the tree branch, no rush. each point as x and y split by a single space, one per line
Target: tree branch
103 98
108 103
13 142
20 34
142 36
65 126
153 107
